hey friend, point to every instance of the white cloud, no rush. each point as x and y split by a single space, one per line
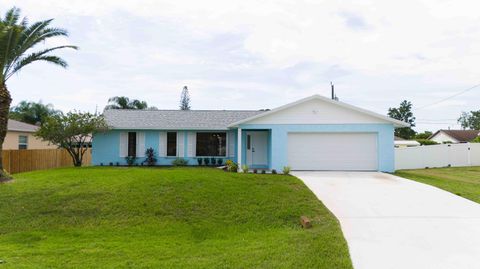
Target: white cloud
262 53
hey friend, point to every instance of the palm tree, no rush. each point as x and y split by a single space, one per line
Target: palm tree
17 39
123 102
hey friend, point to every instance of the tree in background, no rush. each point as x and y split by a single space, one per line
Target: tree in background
72 131
17 40
470 120
185 99
403 113
123 102
424 135
31 112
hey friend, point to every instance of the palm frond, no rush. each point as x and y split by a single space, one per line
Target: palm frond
28 60
12 16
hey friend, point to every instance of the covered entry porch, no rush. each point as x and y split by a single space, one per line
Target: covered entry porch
254 148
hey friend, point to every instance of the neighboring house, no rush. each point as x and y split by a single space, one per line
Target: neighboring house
314 133
403 143
454 136
20 136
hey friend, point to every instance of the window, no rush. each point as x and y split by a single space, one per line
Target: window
132 144
211 144
22 142
171 144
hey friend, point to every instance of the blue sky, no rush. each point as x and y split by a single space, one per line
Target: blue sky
261 54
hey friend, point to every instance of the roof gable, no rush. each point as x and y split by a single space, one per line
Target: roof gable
317 109
458 135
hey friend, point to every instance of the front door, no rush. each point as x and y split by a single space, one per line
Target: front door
257 149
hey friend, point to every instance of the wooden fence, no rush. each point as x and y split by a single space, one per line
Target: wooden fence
16 161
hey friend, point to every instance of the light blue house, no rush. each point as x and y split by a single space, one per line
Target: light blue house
315 133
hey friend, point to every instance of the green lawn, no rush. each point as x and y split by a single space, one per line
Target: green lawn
112 217
463 181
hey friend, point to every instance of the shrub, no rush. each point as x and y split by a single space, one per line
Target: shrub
213 161
200 161
274 171
179 162
219 161
426 142
264 171
245 168
130 160
286 170
231 166
255 171
476 140
206 161
150 154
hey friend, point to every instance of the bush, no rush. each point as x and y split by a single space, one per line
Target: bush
245 168
231 166
426 142
286 170
206 161
179 162
274 171
150 154
130 160
476 140
213 161
219 161
255 171
264 171
200 161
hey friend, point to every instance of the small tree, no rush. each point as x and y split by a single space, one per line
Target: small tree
72 131
470 120
403 113
424 135
185 99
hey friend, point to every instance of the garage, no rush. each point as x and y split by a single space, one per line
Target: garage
333 151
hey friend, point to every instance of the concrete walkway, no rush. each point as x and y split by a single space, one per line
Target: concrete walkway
391 222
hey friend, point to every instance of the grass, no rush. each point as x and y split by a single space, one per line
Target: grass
463 181
109 217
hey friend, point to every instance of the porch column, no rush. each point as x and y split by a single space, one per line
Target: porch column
239 148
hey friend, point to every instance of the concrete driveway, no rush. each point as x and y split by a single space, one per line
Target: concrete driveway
392 222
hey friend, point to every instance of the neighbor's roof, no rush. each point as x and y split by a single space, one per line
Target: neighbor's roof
175 119
459 135
18 126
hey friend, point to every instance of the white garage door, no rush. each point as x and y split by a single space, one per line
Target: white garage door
332 151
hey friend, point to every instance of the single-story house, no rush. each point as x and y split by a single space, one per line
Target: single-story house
314 133
454 136
404 143
20 136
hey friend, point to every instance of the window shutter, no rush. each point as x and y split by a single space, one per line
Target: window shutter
162 145
231 144
180 144
141 144
192 144
123 144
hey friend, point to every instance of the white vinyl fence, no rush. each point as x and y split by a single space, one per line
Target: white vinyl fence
444 155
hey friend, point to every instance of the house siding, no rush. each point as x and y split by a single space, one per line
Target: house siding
105 147
279 140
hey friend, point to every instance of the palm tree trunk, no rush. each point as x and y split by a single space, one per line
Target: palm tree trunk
5 100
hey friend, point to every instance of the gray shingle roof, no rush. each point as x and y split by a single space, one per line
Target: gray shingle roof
175 119
19 126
